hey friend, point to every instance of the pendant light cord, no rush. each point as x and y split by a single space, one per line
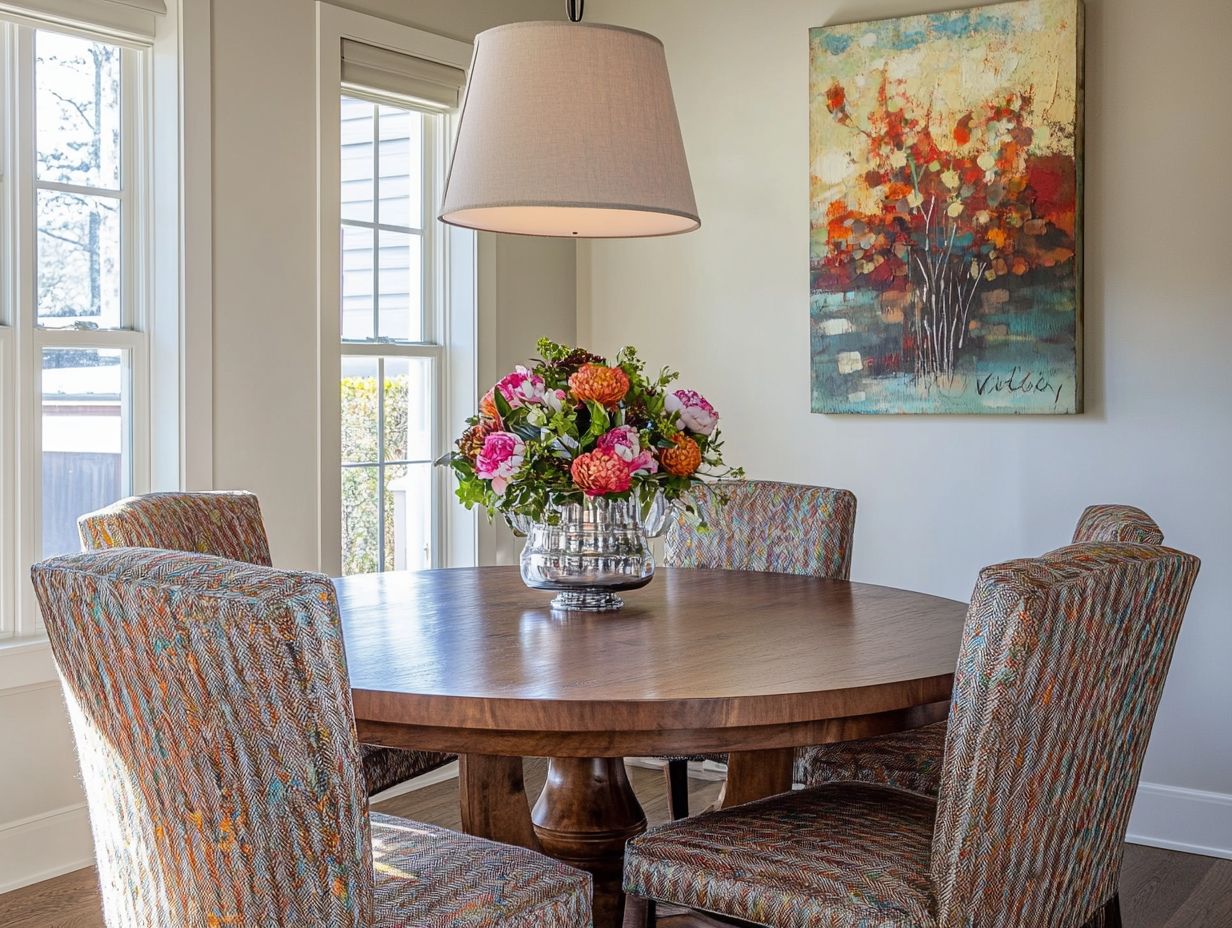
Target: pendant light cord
574 8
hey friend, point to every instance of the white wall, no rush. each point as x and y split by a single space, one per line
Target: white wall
264 348
265 250
940 497
44 828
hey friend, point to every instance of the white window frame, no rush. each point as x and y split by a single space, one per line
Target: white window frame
28 339
174 395
449 336
436 129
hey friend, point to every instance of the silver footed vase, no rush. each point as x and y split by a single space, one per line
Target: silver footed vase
597 549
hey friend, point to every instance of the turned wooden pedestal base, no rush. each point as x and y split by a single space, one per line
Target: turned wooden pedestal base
584 816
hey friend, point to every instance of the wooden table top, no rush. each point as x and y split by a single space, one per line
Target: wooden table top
474 648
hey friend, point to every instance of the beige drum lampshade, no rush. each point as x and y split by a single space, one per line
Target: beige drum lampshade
569 129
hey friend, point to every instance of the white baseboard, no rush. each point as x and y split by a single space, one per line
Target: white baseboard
431 778
42 846
698 770
1179 819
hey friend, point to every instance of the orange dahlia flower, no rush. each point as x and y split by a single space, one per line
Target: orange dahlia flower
471 442
488 411
683 459
604 385
599 473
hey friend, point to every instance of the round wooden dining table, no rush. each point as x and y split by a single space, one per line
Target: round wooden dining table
470 661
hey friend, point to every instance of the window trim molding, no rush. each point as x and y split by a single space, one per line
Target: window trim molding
455 336
182 334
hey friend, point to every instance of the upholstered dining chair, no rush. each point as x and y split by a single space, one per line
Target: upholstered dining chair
911 760
763 526
212 714
226 524
1117 522
1059 676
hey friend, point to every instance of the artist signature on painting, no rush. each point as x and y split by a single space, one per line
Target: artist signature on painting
1019 380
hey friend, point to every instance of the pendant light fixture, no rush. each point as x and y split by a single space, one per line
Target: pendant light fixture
569 129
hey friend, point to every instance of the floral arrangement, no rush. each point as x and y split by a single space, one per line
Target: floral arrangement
575 426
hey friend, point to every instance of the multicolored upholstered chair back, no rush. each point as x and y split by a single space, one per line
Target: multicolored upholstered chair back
778 527
226 524
213 723
1059 676
1108 522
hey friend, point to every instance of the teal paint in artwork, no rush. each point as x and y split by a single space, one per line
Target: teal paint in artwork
837 44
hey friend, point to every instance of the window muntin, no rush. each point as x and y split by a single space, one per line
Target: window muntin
74 163
391 359
382 222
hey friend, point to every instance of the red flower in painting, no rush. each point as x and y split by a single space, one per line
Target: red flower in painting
947 220
836 96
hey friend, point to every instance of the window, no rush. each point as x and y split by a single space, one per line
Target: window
391 396
398 309
74 294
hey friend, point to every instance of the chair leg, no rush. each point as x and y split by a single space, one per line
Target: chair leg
639 912
1108 916
677 773
1112 912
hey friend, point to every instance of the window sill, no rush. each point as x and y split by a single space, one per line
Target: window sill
26 662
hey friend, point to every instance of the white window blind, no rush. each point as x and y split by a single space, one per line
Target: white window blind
135 20
370 69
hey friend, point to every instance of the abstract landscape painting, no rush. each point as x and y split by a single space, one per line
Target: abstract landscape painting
946 212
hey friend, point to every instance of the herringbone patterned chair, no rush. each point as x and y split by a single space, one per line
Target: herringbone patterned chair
225 524
1115 522
212 715
763 526
1059 676
911 760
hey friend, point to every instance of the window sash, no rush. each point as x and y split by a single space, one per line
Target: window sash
432 159
382 463
23 340
432 323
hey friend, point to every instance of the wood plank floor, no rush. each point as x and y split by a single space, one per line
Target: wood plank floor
1159 889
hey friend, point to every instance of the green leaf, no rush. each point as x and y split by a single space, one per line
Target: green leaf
502 404
524 430
599 422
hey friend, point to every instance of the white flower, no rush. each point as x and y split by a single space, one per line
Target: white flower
692 411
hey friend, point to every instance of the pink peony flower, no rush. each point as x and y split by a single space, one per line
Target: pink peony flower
526 388
598 473
692 410
502 455
624 442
